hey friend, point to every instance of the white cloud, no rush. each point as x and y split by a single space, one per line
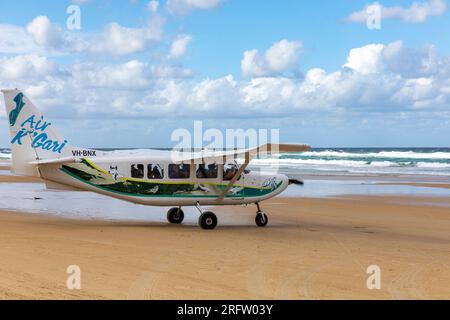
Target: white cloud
45 33
26 68
40 36
377 77
412 63
153 6
44 37
170 72
397 59
281 57
183 7
417 12
366 60
15 39
211 94
119 40
179 46
132 74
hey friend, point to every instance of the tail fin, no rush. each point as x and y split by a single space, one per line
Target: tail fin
33 137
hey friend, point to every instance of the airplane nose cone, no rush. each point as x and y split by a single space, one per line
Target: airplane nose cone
285 180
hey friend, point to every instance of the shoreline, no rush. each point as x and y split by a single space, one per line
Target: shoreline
412 184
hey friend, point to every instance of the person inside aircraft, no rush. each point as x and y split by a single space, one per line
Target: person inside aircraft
213 171
229 171
179 171
201 172
137 171
155 172
207 171
133 170
174 171
184 171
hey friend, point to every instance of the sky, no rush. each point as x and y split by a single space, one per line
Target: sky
127 73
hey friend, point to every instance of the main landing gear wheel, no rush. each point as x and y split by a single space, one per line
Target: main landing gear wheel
175 215
207 220
261 219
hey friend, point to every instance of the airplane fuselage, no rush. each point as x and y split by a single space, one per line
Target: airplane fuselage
134 180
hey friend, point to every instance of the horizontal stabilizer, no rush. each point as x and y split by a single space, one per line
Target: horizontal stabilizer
55 161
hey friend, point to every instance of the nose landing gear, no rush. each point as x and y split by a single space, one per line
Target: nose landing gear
261 219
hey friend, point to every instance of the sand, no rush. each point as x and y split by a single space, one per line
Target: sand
426 185
19 179
313 249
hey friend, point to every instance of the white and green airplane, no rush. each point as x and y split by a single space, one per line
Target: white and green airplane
156 178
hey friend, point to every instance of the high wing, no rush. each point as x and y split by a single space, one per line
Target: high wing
222 157
206 156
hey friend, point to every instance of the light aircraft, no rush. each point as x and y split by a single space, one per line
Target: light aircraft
159 178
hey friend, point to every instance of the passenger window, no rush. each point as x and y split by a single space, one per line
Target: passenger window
155 171
179 171
229 171
137 171
207 171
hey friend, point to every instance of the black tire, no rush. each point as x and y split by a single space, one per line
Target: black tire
207 220
261 219
175 216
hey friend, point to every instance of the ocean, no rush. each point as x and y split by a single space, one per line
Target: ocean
425 161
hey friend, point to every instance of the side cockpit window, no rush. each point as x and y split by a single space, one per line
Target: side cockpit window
137 171
155 171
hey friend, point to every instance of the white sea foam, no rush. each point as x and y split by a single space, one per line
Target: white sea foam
381 154
348 163
357 166
5 156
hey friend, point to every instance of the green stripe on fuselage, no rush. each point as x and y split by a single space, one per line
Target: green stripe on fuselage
87 173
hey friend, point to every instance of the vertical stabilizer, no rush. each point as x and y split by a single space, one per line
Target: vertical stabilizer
33 137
